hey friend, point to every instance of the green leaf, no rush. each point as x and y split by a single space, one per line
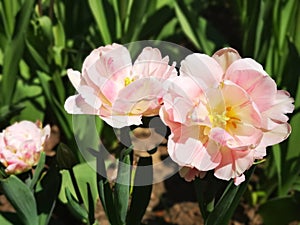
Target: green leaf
141 194
280 211
156 22
185 25
46 25
138 12
97 9
292 160
21 198
65 157
7 112
208 190
14 51
226 206
46 194
37 57
75 208
91 204
8 218
121 192
85 173
277 159
9 10
104 191
61 115
37 172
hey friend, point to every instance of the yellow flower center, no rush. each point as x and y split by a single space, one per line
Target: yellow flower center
227 120
218 120
128 81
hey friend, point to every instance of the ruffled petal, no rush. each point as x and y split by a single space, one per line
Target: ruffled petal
189 173
282 104
186 149
75 78
140 97
226 56
234 163
206 72
76 105
150 63
276 135
122 121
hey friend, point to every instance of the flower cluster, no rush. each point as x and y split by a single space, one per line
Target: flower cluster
21 145
223 111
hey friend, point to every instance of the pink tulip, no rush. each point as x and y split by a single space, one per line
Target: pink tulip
117 91
21 145
223 112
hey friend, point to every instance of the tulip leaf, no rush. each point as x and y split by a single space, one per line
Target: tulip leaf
65 157
21 198
91 204
37 57
185 24
85 174
208 190
75 208
138 12
99 14
8 218
282 210
121 192
38 170
104 191
141 194
227 204
6 112
47 191
160 17
14 51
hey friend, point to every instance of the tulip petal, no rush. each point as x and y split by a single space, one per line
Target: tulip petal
250 75
75 78
151 63
206 72
276 135
76 105
140 97
186 149
122 121
226 56
234 163
282 104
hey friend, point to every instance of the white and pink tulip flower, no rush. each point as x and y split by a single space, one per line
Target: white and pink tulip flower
118 91
223 111
21 145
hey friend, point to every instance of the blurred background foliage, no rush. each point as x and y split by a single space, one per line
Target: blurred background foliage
41 39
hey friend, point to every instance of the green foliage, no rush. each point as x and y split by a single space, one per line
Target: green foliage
40 40
21 198
141 194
